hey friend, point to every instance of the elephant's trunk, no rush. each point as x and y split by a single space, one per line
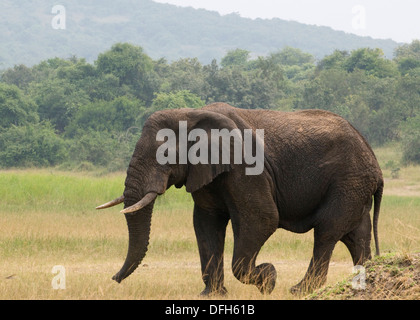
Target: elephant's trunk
139 232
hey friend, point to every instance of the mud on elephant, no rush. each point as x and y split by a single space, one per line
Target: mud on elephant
318 173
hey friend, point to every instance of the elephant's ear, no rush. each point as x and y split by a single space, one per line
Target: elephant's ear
200 122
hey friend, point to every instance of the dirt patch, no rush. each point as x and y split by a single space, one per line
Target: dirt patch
402 190
389 277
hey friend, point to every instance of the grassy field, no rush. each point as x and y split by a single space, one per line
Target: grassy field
48 218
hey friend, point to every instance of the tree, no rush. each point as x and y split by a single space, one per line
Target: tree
173 100
132 67
407 57
356 111
267 84
47 69
58 101
15 108
408 92
230 85
105 87
291 57
89 105
185 74
411 140
372 61
77 71
19 75
326 91
408 50
335 60
235 58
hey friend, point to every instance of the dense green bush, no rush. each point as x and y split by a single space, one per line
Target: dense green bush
31 145
411 141
103 148
116 115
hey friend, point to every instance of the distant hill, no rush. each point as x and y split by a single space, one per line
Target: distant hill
27 35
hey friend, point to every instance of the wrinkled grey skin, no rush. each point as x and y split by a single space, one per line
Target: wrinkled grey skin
319 173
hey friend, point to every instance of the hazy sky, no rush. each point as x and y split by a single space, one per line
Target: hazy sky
395 19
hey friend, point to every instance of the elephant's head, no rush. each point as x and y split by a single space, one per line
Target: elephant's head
147 177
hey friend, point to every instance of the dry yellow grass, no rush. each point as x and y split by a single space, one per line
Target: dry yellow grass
47 218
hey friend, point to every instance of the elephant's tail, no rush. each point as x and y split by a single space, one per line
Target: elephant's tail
377 206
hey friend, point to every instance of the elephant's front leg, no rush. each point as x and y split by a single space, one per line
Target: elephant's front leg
251 232
243 266
210 230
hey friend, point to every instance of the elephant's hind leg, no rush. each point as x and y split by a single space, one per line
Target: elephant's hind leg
341 218
316 275
358 240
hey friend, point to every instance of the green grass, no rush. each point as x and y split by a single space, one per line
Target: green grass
48 218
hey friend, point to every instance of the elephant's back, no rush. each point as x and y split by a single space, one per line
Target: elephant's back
306 135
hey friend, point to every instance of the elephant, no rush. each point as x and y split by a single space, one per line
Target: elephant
318 173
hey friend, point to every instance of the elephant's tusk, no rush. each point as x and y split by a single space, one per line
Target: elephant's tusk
148 198
112 203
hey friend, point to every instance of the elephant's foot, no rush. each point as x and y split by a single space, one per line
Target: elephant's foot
267 275
307 286
299 289
210 292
